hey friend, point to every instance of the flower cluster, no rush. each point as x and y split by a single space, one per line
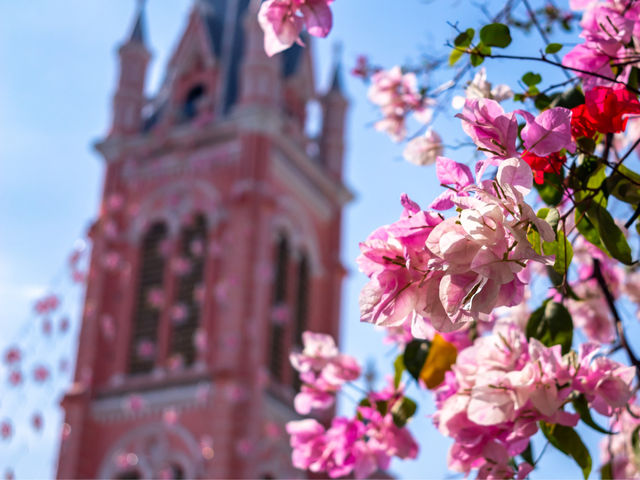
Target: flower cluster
323 371
610 33
397 95
359 445
283 20
620 451
502 386
455 270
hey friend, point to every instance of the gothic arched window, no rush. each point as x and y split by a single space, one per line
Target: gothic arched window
186 309
148 308
190 105
302 301
300 319
276 337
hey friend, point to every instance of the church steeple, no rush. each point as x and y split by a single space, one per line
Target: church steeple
138 31
334 109
129 97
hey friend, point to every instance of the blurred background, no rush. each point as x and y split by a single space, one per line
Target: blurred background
59 75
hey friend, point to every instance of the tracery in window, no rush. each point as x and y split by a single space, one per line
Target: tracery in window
186 310
150 288
276 337
300 319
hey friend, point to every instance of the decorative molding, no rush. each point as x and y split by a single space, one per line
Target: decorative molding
173 202
293 220
154 446
301 186
113 408
176 164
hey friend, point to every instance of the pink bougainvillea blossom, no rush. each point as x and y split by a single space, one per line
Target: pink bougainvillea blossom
283 20
424 149
549 132
491 129
455 270
397 95
454 175
12 355
504 384
47 304
323 371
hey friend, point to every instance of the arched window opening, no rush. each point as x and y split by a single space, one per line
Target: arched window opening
300 323
150 289
191 102
176 472
128 475
186 310
276 350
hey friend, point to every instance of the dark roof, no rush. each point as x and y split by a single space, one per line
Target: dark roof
227 46
336 81
214 18
138 30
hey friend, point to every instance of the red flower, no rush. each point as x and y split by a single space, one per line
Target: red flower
581 125
541 165
607 108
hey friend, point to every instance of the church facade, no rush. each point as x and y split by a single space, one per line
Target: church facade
216 246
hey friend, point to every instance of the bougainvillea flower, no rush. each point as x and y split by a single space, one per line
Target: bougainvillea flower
549 132
282 22
546 164
608 108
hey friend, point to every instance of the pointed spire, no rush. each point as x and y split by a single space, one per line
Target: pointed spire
138 30
336 80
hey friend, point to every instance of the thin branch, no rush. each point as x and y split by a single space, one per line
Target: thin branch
544 59
542 33
597 273
633 218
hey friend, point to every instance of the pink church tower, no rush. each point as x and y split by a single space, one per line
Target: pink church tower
217 245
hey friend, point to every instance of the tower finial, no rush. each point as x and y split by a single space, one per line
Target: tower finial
137 32
336 81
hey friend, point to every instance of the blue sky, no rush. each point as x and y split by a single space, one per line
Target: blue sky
59 72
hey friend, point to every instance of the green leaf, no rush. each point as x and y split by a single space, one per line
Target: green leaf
563 251
414 356
581 407
455 56
587 144
495 35
551 190
465 38
478 58
551 215
542 101
403 411
398 366
610 234
534 239
552 325
606 471
381 406
527 454
587 229
569 98
531 79
635 445
624 184
634 78
553 48
568 442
